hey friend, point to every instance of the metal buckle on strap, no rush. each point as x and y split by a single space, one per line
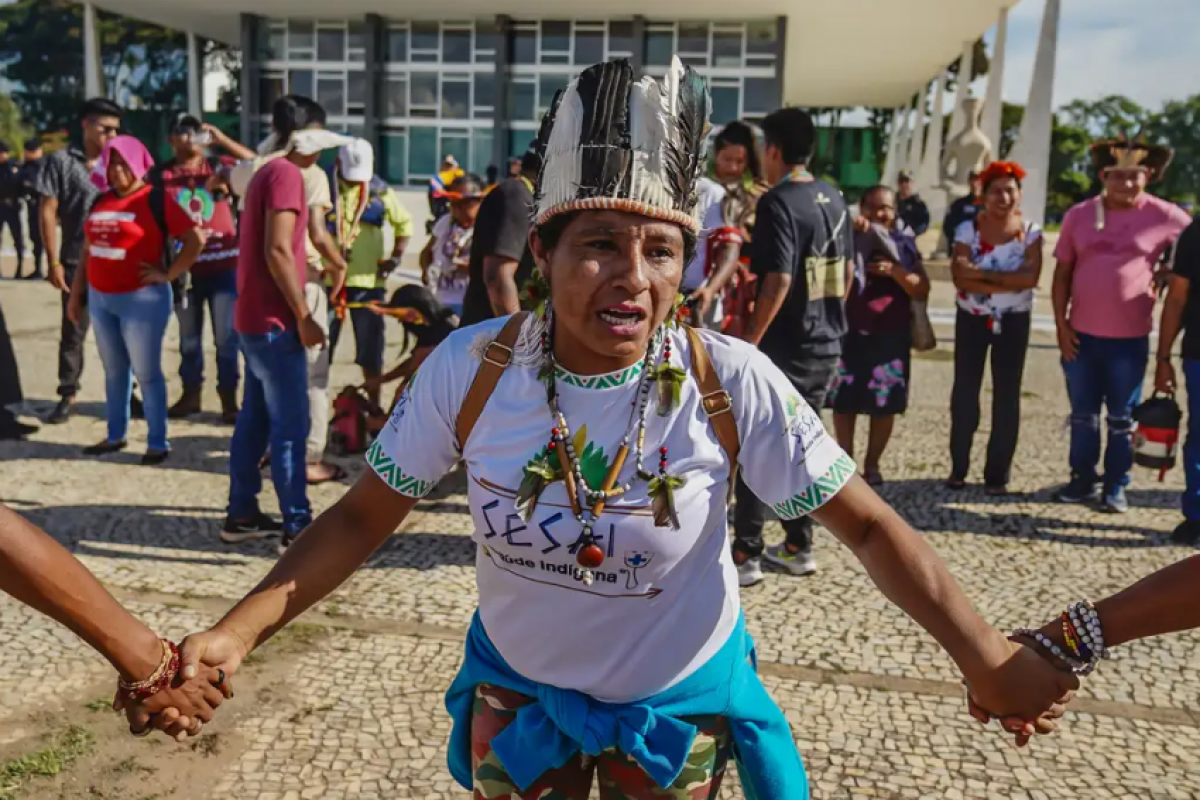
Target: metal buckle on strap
716 403
496 360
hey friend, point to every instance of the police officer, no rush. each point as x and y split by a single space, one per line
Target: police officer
30 166
10 202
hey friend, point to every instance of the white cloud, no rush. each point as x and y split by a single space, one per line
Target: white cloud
1144 50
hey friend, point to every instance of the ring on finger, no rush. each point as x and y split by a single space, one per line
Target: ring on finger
220 677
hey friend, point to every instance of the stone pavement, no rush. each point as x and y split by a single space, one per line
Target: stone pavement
356 708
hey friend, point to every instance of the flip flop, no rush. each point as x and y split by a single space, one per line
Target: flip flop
874 479
338 474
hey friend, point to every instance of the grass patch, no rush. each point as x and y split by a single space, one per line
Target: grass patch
334 610
296 635
65 748
209 745
103 704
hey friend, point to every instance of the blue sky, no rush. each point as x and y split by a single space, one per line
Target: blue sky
1145 49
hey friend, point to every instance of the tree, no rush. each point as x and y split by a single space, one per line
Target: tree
1070 165
1178 125
13 130
1108 117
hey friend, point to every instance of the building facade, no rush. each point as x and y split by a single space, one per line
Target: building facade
477 89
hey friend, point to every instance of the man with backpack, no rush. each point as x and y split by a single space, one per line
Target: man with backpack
196 183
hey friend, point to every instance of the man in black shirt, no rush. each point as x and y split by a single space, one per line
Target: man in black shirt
500 258
964 209
1181 312
30 167
802 255
909 205
10 203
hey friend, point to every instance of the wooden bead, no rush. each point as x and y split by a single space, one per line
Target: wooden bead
590 557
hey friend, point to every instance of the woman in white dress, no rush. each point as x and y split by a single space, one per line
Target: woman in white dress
599 439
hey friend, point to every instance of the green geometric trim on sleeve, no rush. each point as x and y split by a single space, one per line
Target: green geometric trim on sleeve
818 494
392 475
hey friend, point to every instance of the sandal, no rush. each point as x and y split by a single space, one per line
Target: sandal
873 479
956 484
996 490
334 474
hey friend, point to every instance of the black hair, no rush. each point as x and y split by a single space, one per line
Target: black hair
740 134
531 162
33 144
466 184
879 187
101 107
552 230
182 120
4 147
493 172
437 325
292 113
793 132
998 176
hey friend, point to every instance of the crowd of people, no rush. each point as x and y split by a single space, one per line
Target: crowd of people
794 303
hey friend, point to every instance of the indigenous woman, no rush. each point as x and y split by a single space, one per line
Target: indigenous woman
600 440
126 273
725 292
873 378
445 261
997 264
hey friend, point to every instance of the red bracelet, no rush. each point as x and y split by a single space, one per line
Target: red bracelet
160 679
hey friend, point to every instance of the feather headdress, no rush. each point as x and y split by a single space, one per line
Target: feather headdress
1127 152
610 142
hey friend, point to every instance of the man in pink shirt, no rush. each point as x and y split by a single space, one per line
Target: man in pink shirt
1109 270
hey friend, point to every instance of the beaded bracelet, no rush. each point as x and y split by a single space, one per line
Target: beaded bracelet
1077 666
1069 636
160 679
1087 625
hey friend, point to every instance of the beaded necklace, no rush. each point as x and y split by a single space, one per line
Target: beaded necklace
587 502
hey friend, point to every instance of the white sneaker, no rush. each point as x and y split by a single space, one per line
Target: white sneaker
750 572
795 563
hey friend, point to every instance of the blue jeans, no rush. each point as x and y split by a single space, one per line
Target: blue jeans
1106 372
275 412
1191 448
219 291
129 335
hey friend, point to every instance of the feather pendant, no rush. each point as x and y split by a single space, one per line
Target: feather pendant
539 474
662 497
669 379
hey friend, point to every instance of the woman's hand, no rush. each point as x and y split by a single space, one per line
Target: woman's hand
153 275
1024 690
1068 342
181 709
888 269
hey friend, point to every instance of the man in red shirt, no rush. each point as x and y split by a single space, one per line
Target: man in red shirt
274 326
193 181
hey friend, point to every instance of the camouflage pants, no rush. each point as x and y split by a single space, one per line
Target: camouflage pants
620 776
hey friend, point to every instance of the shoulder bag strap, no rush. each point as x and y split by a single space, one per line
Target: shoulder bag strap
496 358
715 401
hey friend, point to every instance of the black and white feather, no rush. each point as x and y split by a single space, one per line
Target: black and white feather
610 141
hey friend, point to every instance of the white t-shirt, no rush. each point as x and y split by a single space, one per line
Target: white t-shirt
1005 258
449 282
664 601
711 218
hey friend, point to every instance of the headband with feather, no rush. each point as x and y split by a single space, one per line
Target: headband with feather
610 142
1126 152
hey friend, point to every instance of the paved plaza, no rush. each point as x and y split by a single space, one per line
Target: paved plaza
348 703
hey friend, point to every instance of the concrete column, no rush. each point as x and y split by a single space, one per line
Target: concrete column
993 104
248 81
195 76
964 88
1032 150
904 145
930 173
916 150
374 30
500 110
891 165
93 72
781 26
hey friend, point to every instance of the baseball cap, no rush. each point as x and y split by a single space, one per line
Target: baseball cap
905 175
450 161
183 122
311 141
357 161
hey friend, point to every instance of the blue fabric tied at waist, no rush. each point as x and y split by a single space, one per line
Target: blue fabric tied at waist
546 734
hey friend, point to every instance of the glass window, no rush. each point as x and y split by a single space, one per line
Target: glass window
556 36
300 81
300 38
693 37
620 38
456 46
273 44
519 141
548 86
524 46
762 95
395 156
270 89
589 47
331 94
727 49
424 37
457 144
356 40
422 151
695 60
331 45
487 37
726 104
397 96
397 45
481 150
356 91
424 86
456 99
485 93
660 46
522 100
556 58
760 37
